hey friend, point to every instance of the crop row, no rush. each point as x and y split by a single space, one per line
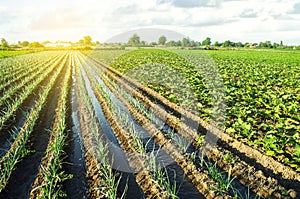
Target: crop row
123 127
13 66
10 53
256 101
219 155
168 135
105 180
191 170
49 180
9 94
13 78
17 150
13 105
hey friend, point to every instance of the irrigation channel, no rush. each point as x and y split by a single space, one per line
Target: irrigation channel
80 129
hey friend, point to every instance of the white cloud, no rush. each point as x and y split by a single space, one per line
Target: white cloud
62 18
238 20
191 3
249 13
296 8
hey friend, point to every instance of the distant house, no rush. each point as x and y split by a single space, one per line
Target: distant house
253 45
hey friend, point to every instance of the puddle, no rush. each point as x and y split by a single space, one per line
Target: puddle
77 186
119 158
187 189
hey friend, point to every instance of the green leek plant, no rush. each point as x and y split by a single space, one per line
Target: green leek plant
14 155
111 179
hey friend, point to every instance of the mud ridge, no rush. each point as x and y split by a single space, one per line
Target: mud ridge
285 179
21 179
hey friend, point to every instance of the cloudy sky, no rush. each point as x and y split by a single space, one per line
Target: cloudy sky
70 20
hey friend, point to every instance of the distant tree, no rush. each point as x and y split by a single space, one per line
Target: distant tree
240 44
281 43
192 44
206 42
134 40
46 42
266 44
25 43
217 44
143 43
171 43
81 42
36 44
275 45
226 43
262 44
153 44
87 40
269 44
229 43
178 43
97 43
198 43
185 41
162 40
4 43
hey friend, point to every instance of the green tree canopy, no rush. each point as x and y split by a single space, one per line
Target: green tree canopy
87 40
25 43
185 41
206 42
36 44
162 40
4 43
134 40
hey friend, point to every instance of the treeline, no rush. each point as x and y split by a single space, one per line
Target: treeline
85 42
134 40
20 44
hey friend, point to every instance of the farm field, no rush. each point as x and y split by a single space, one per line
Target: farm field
9 53
150 123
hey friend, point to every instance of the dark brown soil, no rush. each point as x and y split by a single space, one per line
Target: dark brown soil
162 142
266 177
277 177
22 178
74 162
94 174
19 118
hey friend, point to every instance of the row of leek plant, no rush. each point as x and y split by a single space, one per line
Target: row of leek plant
110 180
18 150
13 106
14 64
11 67
157 174
51 169
19 77
29 70
26 81
224 181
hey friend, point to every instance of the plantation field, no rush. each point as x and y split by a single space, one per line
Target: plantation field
9 53
150 123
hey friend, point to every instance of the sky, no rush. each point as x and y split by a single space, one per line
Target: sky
70 20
